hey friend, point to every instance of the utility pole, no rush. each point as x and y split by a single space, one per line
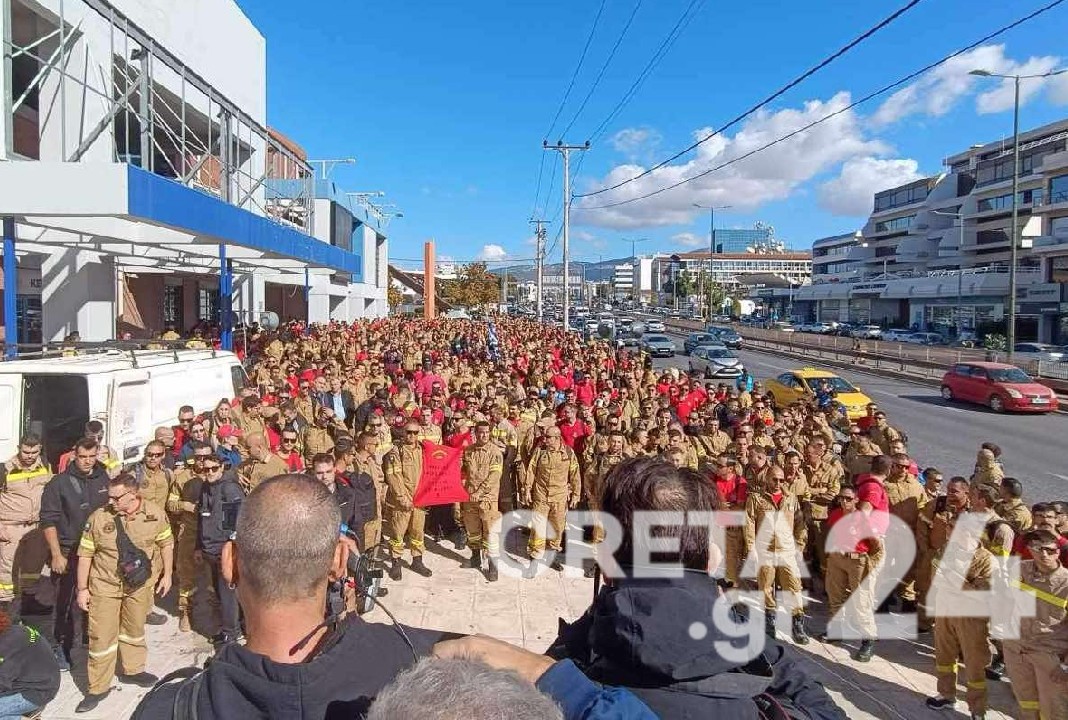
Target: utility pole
566 150
504 289
539 236
711 247
636 267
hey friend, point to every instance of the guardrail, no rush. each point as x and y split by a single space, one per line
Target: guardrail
925 359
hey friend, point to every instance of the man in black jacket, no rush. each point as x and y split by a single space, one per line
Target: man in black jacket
66 503
294 664
220 500
657 635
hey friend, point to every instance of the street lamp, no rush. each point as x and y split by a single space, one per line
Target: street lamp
1013 251
635 284
960 271
711 246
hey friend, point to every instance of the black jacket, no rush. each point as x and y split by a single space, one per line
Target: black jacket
70 498
28 666
217 511
357 501
339 683
637 635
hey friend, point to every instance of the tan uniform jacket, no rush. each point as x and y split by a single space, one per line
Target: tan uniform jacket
148 529
481 470
20 502
373 467
824 482
403 466
906 498
595 482
252 472
787 517
1016 513
1047 631
553 475
184 496
317 440
155 484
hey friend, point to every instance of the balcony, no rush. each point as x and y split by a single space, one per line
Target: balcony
1052 203
1050 244
1054 162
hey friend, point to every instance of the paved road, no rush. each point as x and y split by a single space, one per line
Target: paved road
947 436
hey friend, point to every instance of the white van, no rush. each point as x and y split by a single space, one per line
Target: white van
132 393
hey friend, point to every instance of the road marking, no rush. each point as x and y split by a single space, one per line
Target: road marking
1061 477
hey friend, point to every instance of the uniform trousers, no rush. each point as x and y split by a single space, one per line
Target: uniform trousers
229 610
555 511
185 564
479 519
406 526
845 575
963 638
21 559
784 573
1030 672
116 628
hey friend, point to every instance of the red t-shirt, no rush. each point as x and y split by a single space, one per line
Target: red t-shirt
573 434
870 489
857 526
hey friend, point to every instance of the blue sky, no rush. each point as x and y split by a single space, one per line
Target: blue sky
445 105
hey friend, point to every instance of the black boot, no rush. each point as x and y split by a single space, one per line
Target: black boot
997 668
90 701
492 574
865 651
476 560
395 569
798 630
460 539
769 623
419 568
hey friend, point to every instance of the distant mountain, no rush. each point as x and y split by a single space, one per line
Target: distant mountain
594 271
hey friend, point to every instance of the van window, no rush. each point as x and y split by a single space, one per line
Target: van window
56 407
238 374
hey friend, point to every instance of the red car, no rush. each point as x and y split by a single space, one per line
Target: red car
998 386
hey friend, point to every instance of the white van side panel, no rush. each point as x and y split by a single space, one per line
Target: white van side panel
10 413
130 413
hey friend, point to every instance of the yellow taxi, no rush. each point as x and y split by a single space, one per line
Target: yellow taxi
802 385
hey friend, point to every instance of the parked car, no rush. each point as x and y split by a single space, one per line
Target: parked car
655 326
999 386
658 346
695 339
866 332
820 328
628 343
782 327
1022 352
924 338
725 336
896 334
715 361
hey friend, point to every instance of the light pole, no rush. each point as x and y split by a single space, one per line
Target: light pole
636 273
960 271
1010 324
711 246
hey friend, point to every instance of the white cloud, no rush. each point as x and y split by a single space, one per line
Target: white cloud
769 175
492 253
938 91
636 142
852 191
690 240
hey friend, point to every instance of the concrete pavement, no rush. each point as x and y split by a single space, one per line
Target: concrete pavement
948 435
527 612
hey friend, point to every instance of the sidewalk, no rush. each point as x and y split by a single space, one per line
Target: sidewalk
526 612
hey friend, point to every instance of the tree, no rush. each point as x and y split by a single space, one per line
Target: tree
684 285
473 286
394 298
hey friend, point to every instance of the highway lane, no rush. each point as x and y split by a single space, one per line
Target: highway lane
947 435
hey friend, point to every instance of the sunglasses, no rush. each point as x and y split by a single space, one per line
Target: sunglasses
1044 549
210 468
289 440
412 432
154 454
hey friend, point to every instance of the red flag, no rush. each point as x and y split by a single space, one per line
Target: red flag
440 483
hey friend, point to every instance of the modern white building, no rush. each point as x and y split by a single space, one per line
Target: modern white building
935 253
623 280
142 187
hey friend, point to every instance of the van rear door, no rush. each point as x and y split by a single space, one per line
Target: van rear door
130 414
10 413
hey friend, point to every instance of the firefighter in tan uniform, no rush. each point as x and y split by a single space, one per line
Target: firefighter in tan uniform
261 465
595 483
403 466
1036 663
23 551
959 639
182 509
775 528
758 469
481 470
1012 508
906 498
154 479
933 528
117 612
365 461
553 486
319 437
824 477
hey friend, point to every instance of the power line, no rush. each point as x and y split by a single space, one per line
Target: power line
665 46
537 190
578 67
778 93
552 182
814 123
604 67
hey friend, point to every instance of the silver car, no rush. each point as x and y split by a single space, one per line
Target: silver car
658 346
715 361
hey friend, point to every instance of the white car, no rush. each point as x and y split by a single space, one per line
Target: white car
923 338
1038 351
867 332
782 327
897 335
655 326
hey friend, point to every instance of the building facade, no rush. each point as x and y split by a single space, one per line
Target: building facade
935 252
143 188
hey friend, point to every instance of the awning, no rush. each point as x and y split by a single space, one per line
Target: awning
149 223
